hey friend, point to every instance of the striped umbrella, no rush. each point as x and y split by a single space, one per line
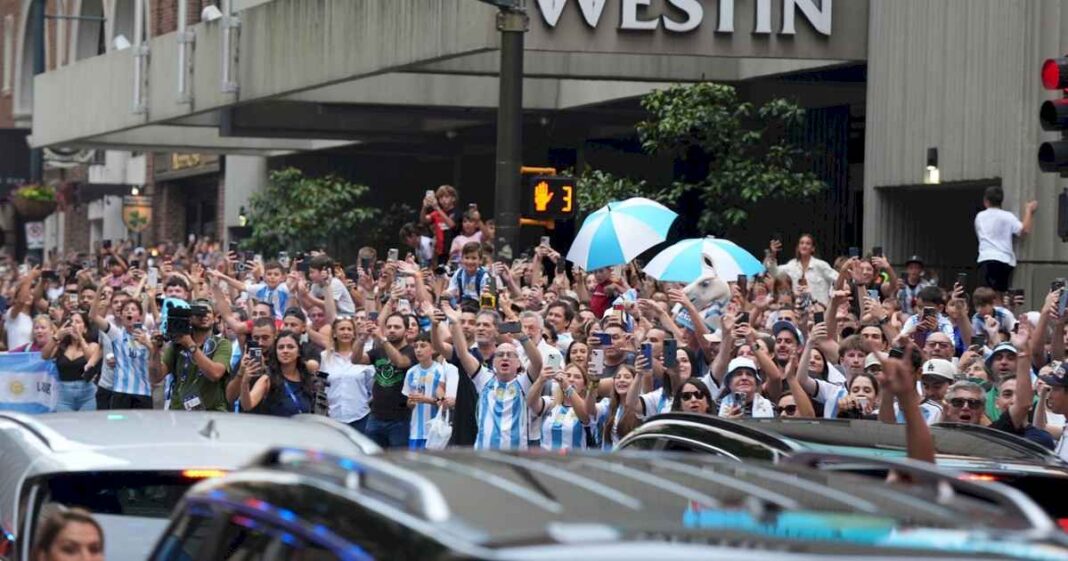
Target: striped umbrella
620 232
686 261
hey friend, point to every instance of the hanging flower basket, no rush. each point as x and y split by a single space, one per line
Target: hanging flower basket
34 202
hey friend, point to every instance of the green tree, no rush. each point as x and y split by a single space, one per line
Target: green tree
296 212
745 153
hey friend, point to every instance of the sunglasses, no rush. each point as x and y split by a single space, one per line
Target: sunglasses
960 402
790 409
687 396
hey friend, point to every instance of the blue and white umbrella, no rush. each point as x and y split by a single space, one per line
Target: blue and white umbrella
620 232
686 261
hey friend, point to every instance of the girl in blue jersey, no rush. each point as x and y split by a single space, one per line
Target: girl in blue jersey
565 414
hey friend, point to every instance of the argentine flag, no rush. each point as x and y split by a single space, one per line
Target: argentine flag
28 384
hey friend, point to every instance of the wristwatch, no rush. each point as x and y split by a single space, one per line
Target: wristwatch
523 338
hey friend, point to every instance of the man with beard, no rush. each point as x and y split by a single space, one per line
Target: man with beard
391 356
198 364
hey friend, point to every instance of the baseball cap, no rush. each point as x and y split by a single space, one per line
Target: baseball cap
1001 347
872 360
1058 377
939 368
716 337
782 325
915 259
206 302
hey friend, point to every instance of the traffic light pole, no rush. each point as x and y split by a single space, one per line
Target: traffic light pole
37 12
513 24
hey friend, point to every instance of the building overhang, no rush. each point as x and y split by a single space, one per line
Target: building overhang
315 73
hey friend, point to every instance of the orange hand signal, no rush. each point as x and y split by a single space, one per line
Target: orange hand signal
542 196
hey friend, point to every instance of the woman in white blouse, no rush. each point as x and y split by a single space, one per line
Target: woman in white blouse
805 269
349 394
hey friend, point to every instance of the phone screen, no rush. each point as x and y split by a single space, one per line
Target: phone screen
511 327
671 353
818 317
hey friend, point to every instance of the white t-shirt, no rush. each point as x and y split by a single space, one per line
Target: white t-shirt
19 329
345 305
349 393
1062 447
995 229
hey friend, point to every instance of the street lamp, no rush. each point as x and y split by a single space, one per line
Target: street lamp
513 23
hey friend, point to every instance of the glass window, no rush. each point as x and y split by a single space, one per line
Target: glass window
186 540
246 539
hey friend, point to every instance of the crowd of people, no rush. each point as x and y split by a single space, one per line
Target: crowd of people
445 344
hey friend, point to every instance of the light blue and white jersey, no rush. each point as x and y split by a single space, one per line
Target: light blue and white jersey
131 363
424 381
502 412
561 429
107 373
278 296
656 402
599 416
931 411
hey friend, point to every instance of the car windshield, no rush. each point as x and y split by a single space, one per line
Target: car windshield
132 507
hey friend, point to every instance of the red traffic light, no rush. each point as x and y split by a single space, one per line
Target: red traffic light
1055 73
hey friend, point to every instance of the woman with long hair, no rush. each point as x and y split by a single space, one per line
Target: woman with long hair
281 385
564 415
805 269
68 535
693 396
349 393
861 399
75 360
610 409
578 353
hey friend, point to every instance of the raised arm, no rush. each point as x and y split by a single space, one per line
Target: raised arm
534 400
898 372
1028 219
1025 392
226 312
469 363
801 398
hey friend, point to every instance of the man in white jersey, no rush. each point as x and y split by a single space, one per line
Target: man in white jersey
502 415
1058 403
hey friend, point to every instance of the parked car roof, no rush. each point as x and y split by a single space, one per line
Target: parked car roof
494 501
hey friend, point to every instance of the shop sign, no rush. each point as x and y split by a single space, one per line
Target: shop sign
681 16
177 166
35 235
137 212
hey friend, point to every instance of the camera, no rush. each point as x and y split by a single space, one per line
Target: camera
176 317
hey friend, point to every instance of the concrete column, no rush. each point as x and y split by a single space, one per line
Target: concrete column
245 175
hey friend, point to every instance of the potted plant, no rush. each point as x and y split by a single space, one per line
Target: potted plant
34 202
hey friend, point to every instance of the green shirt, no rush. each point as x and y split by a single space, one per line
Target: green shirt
188 382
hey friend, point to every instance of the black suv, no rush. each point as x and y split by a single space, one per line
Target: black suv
979 453
298 505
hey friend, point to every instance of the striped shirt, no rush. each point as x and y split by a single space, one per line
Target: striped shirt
502 412
278 296
131 363
424 381
561 428
655 402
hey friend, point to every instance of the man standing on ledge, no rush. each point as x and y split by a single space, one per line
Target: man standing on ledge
995 229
